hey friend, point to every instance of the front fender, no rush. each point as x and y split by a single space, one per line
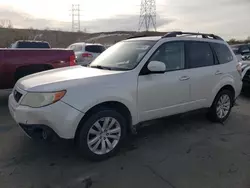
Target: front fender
131 106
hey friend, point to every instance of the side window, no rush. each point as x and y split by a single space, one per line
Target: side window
172 54
78 48
223 53
72 47
199 54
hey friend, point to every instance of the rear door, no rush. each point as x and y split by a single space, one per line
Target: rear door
204 70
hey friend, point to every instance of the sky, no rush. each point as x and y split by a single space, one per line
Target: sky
228 18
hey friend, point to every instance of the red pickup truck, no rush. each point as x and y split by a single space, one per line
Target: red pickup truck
17 63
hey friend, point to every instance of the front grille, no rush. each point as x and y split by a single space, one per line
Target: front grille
17 95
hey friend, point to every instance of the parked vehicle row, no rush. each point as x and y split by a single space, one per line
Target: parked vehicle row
85 52
25 57
17 63
242 51
133 81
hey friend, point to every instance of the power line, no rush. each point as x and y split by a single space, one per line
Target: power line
147 18
76 17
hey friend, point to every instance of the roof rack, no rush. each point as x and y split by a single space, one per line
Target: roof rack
204 35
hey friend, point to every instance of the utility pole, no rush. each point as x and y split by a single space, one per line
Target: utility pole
147 18
76 20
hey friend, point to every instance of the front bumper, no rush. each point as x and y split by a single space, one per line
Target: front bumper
36 131
60 117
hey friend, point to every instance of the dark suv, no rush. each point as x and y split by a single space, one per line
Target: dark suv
242 49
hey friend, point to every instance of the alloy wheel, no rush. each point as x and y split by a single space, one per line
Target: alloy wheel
104 135
223 106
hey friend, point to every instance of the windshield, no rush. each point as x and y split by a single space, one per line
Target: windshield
124 55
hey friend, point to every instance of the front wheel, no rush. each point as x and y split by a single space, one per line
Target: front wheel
222 105
101 135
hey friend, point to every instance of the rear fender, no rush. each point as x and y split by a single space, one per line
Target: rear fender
227 80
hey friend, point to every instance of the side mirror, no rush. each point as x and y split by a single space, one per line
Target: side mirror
156 67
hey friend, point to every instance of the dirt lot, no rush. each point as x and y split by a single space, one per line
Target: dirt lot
182 152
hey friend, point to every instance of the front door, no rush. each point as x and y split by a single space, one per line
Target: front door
168 93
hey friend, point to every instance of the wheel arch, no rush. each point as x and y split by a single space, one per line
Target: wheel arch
225 87
117 105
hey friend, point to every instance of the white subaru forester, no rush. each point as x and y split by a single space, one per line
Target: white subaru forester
136 80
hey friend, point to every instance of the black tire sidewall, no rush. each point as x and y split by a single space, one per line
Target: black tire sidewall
83 134
213 113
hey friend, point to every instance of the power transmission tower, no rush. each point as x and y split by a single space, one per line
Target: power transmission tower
76 21
147 18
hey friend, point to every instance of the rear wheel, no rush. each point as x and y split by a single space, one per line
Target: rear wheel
101 135
222 105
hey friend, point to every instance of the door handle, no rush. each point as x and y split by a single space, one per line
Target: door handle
218 72
183 78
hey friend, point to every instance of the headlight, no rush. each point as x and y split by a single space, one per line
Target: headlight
37 100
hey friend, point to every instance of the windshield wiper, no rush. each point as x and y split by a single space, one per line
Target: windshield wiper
100 67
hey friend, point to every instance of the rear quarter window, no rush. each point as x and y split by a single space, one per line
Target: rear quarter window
94 48
32 45
223 53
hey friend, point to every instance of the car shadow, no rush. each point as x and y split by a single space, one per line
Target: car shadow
185 123
245 93
4 97
65 152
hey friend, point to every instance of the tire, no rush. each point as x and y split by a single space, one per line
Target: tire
84 136
213 115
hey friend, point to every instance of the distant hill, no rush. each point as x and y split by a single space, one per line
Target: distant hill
62 39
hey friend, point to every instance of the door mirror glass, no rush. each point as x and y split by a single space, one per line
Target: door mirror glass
156 67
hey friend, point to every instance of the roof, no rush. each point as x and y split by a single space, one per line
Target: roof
84 43
174 34
238 45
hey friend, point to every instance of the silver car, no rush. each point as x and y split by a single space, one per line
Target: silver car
86 52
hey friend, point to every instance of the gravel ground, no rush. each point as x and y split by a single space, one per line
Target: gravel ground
178 152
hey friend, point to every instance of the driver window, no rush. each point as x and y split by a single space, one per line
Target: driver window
172 54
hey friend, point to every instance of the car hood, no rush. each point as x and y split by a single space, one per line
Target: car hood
62 78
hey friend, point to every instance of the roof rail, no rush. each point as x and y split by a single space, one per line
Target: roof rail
204 35
145 34
137 36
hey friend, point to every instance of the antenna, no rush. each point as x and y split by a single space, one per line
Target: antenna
147 18
75 13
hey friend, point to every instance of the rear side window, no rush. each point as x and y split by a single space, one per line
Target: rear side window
77 48
223 53
94 48
199 54
32 45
